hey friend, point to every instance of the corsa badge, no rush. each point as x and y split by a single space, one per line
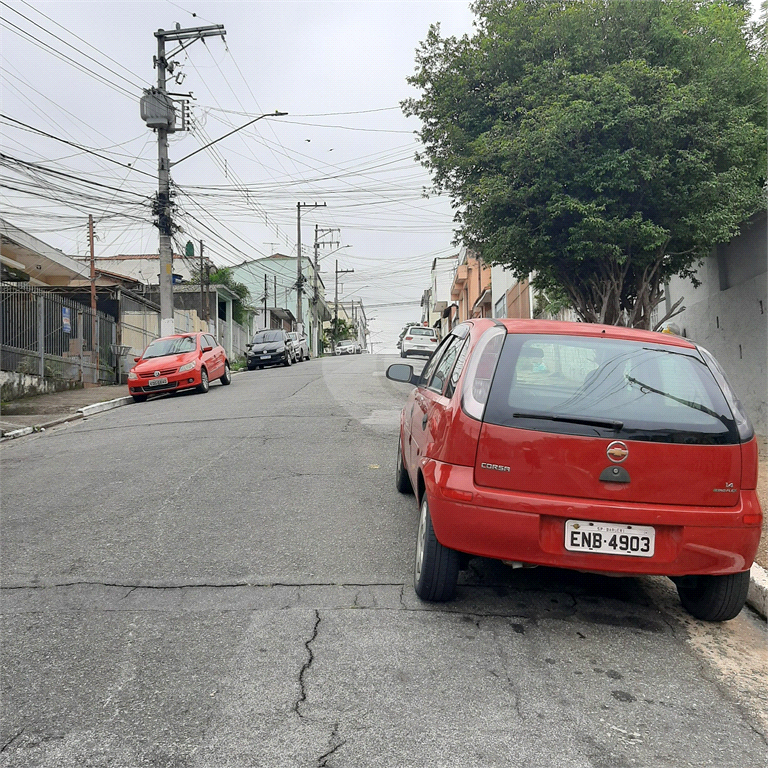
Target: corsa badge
617 451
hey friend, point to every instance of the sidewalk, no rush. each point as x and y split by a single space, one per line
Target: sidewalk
43 411
31 414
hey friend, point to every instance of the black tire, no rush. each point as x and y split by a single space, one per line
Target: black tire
227 377
402 480
288 361
436 568
139 398
402 354
714 598
204 384
252 366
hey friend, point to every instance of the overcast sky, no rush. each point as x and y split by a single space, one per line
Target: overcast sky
76 70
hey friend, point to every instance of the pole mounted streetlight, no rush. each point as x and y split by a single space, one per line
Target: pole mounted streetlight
226 135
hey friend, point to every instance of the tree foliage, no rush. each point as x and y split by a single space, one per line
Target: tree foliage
223 276
602 146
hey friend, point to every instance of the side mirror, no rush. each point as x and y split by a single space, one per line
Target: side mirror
208 348
402 372
249 346
136 359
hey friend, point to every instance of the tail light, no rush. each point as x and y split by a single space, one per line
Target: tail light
749 464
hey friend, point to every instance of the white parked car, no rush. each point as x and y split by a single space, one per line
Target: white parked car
346 347
418 340
300 346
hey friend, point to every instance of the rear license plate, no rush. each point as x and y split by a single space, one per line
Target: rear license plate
157 382
609 538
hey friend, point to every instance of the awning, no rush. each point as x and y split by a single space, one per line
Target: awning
281 313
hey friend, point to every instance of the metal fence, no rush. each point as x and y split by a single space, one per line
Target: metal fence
44 334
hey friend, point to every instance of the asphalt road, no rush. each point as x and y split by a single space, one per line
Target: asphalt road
225 580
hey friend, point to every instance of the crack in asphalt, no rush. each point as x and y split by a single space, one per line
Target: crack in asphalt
202 585
11 740
322 761
307 664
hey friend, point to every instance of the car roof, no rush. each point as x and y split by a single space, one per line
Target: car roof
564 328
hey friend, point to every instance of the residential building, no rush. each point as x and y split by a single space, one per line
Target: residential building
728 313
471 287
511 297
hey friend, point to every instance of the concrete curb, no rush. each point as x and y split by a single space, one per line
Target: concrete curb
18 433
107 405
758 590
87 410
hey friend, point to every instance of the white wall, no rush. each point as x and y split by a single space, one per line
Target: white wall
728 315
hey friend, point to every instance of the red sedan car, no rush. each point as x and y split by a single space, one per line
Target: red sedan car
173 363
595 448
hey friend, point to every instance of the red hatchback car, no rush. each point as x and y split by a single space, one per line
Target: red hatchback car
173 363
590 447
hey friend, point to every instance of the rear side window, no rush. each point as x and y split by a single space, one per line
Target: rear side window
480 372
609 388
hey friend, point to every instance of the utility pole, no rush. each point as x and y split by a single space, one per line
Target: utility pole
316 290
94 340
265 301
299 277
93 265
203 296
336 301
159 112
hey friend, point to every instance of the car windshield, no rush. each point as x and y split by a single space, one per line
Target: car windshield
421 332
265 337
608 387
174 345
346 343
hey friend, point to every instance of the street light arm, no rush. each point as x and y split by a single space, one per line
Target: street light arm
216 141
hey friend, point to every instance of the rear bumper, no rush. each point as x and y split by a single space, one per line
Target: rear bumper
530 528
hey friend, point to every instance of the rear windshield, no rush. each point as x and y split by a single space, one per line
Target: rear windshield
421 332
608 388
267 336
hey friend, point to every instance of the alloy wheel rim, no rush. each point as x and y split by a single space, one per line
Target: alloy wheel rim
421 538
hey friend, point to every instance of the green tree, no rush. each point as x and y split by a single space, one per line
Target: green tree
340 329
602 146
223 276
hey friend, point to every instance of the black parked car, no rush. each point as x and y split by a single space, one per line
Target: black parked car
271 347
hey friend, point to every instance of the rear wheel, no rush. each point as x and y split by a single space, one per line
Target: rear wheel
139 398
203 386
436 570
402 481
227 377
714 598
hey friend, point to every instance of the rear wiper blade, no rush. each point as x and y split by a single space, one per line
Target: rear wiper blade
607 423
689 403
